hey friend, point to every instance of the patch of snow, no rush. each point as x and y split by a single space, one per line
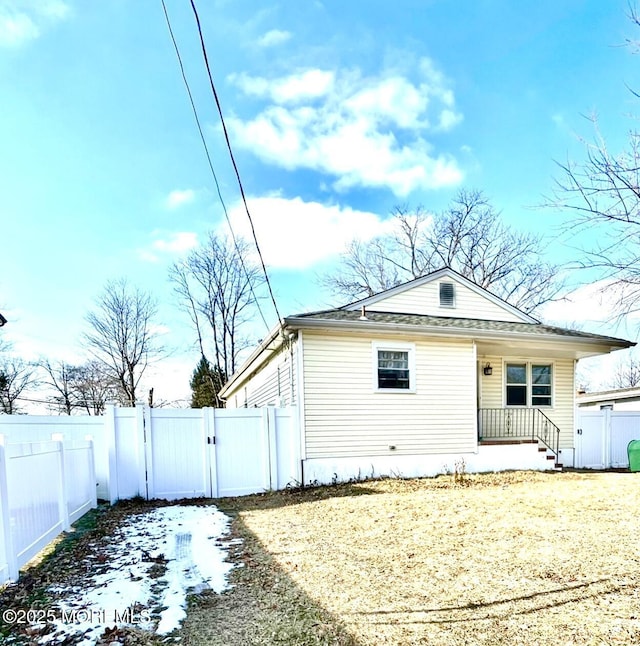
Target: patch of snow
153 561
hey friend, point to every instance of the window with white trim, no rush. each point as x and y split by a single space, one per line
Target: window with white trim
394 367
540 385
516 384
528 384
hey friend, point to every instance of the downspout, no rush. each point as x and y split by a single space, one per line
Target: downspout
573 414
292 392
300 401
476 384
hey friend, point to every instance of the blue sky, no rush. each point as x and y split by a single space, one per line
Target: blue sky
337 111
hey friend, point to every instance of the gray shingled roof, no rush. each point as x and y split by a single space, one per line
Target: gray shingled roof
419 320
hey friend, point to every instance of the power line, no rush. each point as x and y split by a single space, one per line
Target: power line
211 167
231 155
56 401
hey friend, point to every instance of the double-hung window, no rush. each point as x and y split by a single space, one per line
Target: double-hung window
528 384
540 385
516 384
394 367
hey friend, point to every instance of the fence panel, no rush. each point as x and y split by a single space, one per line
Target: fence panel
603 436
79 473
40 428
43 486
287 448
590 441
241 452
220 452
8 566
35 487
129 458
178 465
625 426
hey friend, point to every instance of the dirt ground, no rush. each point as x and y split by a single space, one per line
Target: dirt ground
515 558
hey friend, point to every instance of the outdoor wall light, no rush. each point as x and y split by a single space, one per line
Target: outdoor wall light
488 370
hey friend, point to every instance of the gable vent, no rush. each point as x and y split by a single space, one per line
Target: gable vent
447 295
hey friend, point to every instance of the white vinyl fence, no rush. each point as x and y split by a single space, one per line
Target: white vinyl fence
190 453
602 438
44 487
178 453
46 484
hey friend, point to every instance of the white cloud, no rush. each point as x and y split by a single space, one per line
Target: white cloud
365 131
294 234
174 244
22 21
178 198
592 308
311 84
274 37
54 9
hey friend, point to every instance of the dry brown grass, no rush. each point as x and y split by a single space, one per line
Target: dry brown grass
514 558
517 558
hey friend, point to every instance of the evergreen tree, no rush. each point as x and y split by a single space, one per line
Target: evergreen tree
206 383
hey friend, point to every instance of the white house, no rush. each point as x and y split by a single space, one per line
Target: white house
416 378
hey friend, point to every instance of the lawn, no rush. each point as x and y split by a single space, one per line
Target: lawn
514 558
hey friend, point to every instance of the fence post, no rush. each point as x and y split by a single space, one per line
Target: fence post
63 508
144 452
92 470
7 551
111 437
209 422
269 427
607 438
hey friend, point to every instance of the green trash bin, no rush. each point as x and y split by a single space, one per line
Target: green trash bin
633 451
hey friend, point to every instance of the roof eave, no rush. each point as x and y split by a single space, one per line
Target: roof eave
474 333
254 358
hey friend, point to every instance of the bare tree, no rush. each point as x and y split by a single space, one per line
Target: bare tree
469 237
83 388
94 388
627 372
217 287
60 377
602 193
121 336
16 377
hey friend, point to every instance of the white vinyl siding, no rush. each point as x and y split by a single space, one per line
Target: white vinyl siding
271 386
492 390
425 299
345 416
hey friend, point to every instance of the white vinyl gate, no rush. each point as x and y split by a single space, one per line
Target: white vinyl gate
207 453
602 438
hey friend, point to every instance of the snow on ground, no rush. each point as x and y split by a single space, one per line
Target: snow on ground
149 566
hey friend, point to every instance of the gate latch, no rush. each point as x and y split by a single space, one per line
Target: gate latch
211 440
